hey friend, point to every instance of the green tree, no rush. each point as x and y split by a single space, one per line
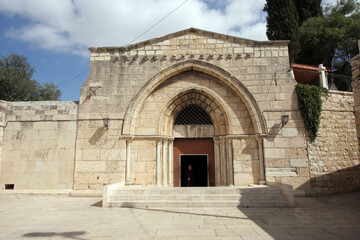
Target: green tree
16 83
331 39
308 9
282 24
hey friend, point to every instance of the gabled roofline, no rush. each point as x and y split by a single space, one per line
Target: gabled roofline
229 38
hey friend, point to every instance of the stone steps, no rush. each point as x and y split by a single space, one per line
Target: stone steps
194 197
196 204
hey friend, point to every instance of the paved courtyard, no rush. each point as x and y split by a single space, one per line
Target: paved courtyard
51 217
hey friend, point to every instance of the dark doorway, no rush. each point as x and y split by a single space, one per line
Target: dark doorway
194 146
199 165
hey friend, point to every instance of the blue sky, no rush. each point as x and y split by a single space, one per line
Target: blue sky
55 34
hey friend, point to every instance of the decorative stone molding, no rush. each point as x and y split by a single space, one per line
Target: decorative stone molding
125 59
249 101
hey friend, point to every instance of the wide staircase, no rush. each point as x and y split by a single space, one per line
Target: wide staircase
194 197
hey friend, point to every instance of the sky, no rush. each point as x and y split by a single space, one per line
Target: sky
55 34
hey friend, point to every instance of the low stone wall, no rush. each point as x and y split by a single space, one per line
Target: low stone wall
38 145
2 125
334 155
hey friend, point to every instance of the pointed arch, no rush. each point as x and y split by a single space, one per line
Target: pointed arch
207 68
206 99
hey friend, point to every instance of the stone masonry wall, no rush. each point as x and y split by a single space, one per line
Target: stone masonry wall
355 65
39 145
100 155
2 125
334 155
118 74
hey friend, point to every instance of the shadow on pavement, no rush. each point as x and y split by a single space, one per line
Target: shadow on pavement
71 235
97 204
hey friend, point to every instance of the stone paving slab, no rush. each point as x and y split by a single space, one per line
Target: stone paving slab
55 217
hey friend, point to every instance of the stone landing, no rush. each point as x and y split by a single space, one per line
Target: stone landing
194 197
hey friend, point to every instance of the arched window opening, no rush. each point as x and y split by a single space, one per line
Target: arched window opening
193 115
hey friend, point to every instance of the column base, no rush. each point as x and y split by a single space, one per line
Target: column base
129 183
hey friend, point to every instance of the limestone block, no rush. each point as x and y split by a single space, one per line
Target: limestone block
243 179
298 163
66 177
138 166
297 182
274 152
150 167
145 131
281 172
90 154
91 166
40 166
19 166
243 166
290 132
146 154
299 142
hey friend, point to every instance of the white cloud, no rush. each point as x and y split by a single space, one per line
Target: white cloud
73 26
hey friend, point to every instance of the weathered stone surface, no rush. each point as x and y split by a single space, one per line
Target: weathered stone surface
334 155
243 85
39 144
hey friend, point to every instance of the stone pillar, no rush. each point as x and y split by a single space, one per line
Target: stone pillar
261 160
223 161
170 162
217 162
230 168
158 162
323 77
128 162
164 163
355 68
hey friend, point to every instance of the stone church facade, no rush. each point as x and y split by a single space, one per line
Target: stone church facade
223 104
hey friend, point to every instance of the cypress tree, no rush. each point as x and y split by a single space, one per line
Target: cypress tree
282 24
308 9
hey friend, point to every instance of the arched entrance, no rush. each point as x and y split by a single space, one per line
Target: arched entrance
197 150
236 123
195 118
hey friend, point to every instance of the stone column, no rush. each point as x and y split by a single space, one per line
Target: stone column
261 160
158 161
170 162
217 162
164 164
128 162
223 162
230 168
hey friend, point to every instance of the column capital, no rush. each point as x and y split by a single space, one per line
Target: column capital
260 137
127 137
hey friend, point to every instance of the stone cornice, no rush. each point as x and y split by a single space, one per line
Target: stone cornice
230 39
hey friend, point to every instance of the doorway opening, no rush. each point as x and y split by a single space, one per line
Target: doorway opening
200 170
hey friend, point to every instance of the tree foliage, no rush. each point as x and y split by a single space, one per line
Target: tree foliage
282 23
16 83
308 9
331 39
